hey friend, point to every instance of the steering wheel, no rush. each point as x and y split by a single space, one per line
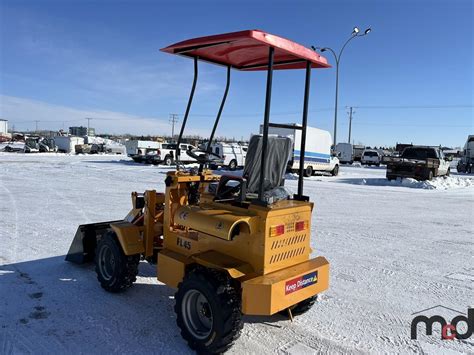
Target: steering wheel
226 192
203 158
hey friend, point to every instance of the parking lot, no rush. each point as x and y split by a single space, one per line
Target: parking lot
395 248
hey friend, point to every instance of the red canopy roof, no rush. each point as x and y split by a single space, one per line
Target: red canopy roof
248 50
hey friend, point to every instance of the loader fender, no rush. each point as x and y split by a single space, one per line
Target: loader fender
172 266
215 260
129 237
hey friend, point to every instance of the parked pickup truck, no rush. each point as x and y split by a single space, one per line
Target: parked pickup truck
418 162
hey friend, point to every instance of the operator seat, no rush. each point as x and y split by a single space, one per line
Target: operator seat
279 150
236 188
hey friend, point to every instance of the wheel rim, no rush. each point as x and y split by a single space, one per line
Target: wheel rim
197 314
106 262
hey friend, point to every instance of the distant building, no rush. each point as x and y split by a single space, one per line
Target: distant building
3 127
81 131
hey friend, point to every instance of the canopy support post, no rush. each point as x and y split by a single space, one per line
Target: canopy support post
219 113
300 195
266 121
186 114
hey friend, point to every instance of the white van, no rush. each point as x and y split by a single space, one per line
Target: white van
232 154
317 156
345 153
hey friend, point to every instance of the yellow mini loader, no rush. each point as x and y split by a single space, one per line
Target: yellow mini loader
230 245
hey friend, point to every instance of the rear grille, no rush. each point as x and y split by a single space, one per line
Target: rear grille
286 255
287 248
284 242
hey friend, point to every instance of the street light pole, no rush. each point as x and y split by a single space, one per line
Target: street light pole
337 58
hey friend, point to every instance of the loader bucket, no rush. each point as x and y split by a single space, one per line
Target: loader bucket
82 249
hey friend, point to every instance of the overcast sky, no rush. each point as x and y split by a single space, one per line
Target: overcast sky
410 79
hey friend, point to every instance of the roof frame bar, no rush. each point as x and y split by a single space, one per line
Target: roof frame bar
266 122
219 113
283 62
192 48
300 195
208 60
188 108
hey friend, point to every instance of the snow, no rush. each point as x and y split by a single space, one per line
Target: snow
395 248
443 183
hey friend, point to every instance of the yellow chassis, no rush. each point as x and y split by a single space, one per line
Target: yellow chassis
275 271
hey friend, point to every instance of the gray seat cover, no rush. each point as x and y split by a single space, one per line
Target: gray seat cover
279 151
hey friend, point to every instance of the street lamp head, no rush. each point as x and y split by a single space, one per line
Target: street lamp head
323 49
313 48
355 31
367 31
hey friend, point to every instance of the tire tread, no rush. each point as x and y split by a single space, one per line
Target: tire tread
128 266
229 304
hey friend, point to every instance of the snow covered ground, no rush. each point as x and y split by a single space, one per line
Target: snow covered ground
395 248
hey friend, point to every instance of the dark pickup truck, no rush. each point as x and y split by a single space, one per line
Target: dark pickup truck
417 162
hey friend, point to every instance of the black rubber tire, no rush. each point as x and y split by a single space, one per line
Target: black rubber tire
335 171
308 171
122 273
301 307
232 165
168 160
224 302
429 175
391 177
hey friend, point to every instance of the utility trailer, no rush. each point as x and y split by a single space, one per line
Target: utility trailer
67 144
230 245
